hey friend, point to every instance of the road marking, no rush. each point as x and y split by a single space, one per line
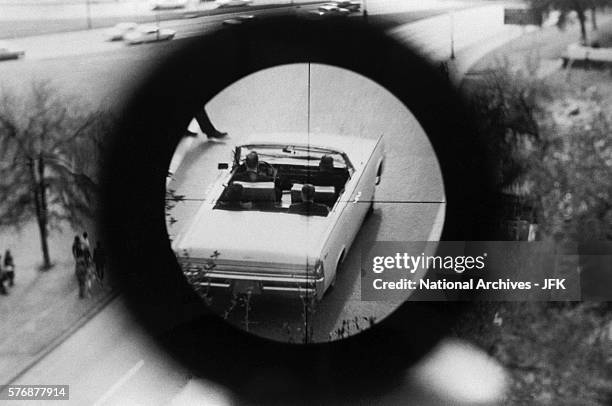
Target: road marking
107 395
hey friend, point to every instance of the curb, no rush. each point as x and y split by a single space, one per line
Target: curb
99 305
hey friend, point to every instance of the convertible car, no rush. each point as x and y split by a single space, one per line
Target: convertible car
256 243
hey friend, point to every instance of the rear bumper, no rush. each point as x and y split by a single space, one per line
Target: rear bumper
256 284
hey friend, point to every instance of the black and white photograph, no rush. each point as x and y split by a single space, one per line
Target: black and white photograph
228 202
305 183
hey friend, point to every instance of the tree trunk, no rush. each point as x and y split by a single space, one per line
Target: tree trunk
40 206
594 19
44 220
582 20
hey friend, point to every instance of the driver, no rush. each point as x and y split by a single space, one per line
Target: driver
254 171
326 175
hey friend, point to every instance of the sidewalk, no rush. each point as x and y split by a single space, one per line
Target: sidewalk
43 305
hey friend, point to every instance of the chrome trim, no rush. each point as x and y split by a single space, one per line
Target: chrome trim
213 284
261 278
244 266
289 290
268 283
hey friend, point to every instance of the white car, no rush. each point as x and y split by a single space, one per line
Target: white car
239 20
148 33
346 4
169 4
9 51
259 244
330 10
232 3
117 32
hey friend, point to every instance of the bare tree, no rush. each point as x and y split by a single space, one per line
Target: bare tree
565 7
49 150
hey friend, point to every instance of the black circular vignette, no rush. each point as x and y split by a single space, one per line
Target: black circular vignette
133 218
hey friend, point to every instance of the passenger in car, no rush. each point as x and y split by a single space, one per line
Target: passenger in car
326 176
308 206
253 171
232 198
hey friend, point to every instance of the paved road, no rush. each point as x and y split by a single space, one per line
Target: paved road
115 359
110 361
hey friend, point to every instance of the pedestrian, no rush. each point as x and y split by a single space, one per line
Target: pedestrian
99 258
80 268
3 290
9 267
86 248
206 126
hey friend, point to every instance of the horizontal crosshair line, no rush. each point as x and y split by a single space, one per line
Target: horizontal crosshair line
352 201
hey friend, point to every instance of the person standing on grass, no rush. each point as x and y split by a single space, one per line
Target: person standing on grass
99 259
9 267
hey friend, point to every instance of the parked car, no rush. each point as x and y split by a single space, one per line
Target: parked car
259 244
239 20
330 10
148 33
169 4
232 3
348 5
9 51
117 32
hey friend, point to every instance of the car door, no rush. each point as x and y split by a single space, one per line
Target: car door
362 197
349 213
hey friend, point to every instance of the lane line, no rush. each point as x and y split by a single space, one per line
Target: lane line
111 391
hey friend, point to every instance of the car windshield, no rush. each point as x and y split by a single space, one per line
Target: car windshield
147 29
302 155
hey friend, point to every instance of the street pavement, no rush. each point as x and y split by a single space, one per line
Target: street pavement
129 368
113 70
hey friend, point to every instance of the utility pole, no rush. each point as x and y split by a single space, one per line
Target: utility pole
452 35
88 7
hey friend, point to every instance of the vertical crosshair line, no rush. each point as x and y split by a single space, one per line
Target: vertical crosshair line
308 106
308 298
